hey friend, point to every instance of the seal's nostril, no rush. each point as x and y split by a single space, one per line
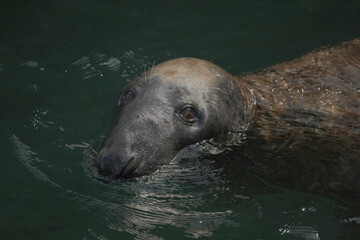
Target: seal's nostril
129 168
116 167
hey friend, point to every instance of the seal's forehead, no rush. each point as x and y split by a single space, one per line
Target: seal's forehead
186 70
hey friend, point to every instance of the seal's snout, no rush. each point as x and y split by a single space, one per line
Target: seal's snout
116 167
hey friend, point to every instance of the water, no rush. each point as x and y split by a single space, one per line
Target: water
62 65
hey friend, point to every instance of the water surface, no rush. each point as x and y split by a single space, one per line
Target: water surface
62 66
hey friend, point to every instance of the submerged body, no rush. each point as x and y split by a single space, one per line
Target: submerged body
306 106
308 117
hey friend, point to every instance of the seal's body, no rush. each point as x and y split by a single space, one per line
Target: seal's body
308 117
311 101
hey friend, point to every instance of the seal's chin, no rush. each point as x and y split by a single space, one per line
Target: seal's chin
115 167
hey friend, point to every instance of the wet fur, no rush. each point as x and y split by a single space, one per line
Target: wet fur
307 114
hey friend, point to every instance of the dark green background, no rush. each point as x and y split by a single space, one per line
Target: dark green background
62 65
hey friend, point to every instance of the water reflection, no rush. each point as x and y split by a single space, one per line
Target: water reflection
29 159
169 197
303 232
192 196
128 63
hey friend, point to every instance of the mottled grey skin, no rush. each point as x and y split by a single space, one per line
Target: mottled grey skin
311 101
148 130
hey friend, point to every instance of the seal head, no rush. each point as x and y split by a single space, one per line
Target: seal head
173 105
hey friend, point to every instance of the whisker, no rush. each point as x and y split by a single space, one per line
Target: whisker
93 150
151 70
145 73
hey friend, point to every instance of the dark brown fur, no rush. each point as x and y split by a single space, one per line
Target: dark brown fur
307 114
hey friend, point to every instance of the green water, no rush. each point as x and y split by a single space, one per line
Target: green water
62 65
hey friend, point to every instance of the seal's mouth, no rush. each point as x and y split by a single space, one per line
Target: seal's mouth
114 167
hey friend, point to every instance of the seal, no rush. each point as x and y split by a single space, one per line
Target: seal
311 101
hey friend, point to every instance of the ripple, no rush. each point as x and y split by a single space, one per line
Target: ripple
33 64
28 158
37 118
113 64
304 232
353 220
168 197
190 195
129 63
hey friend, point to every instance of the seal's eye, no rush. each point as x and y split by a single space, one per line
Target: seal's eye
129 95
126 97
189 114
